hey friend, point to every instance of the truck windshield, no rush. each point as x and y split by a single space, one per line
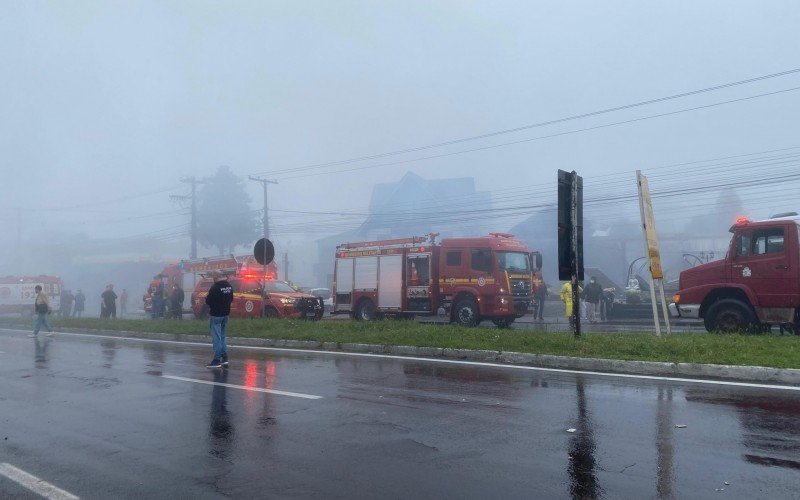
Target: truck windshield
513 261
278 287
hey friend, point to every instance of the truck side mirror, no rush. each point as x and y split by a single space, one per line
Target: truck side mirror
536 260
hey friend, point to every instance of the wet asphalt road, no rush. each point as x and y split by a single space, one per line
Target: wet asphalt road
98 418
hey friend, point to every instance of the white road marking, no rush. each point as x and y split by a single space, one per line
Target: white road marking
451 361
34 484
244 387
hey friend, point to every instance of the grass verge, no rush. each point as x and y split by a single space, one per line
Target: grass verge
745 350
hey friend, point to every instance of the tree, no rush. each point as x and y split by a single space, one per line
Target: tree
224 216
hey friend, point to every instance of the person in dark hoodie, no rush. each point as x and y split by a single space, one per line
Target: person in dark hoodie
593 293
176 302
218 300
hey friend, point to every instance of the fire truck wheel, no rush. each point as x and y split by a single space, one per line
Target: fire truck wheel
365 310
730 316
466 313
270 312
503 322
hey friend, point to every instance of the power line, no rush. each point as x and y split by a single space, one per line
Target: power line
549 136
789 175
536 125
106 202
685 170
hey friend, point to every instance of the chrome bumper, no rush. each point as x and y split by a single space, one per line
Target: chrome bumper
684 310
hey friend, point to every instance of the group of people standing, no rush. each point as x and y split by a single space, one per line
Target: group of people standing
596 304
108 302
162 304
71 305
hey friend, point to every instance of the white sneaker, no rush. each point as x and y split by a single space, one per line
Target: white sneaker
50 334
32 336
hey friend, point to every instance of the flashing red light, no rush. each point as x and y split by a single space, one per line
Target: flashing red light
421 249
251 276
742 220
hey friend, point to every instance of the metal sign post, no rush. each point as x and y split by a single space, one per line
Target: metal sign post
264 252
576 297
652 251
570 238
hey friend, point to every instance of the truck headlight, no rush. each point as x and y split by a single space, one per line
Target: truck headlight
503 301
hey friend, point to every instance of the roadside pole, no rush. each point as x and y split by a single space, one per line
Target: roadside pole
570 238
656 277
576 297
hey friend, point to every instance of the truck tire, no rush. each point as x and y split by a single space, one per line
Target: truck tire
466 313
365 310
504 322
270 312
730 316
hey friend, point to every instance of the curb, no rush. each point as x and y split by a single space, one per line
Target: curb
755 374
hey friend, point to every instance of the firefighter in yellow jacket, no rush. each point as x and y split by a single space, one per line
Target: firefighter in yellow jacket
566 297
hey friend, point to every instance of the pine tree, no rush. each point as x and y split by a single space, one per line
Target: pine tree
224 216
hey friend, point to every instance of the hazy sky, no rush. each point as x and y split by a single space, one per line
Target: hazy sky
106 101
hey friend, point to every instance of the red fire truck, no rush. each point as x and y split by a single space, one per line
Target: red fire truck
256 291
756 286
17 293
466 279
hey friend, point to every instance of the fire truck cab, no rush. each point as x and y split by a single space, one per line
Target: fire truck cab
757 284
464 279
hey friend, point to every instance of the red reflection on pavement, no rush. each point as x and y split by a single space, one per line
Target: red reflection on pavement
250 373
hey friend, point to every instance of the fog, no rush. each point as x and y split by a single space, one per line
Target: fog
106 106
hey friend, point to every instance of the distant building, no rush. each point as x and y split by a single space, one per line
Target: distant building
412 206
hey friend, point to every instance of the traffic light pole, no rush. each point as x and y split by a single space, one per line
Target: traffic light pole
576 305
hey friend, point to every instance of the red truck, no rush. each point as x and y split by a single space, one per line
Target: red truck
466 279
756 286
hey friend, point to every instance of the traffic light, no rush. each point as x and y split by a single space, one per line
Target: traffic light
566 266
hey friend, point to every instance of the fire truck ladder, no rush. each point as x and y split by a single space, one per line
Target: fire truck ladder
396 243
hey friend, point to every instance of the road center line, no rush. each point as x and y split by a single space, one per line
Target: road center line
449 361
34 484
243 387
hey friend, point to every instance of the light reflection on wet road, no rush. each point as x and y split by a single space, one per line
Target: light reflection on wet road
96 417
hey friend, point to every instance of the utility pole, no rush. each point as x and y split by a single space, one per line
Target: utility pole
192 197
19 228
264 183
285 266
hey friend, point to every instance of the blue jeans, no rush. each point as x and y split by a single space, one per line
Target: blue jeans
41 321
217 325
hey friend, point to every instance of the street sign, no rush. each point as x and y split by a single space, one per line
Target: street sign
651 247
264 251
649 226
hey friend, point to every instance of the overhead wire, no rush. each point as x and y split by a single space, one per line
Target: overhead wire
535 125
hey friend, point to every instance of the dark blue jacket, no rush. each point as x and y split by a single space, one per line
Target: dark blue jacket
219 298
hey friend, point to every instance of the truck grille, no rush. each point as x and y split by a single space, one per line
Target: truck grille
520 288
307 304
